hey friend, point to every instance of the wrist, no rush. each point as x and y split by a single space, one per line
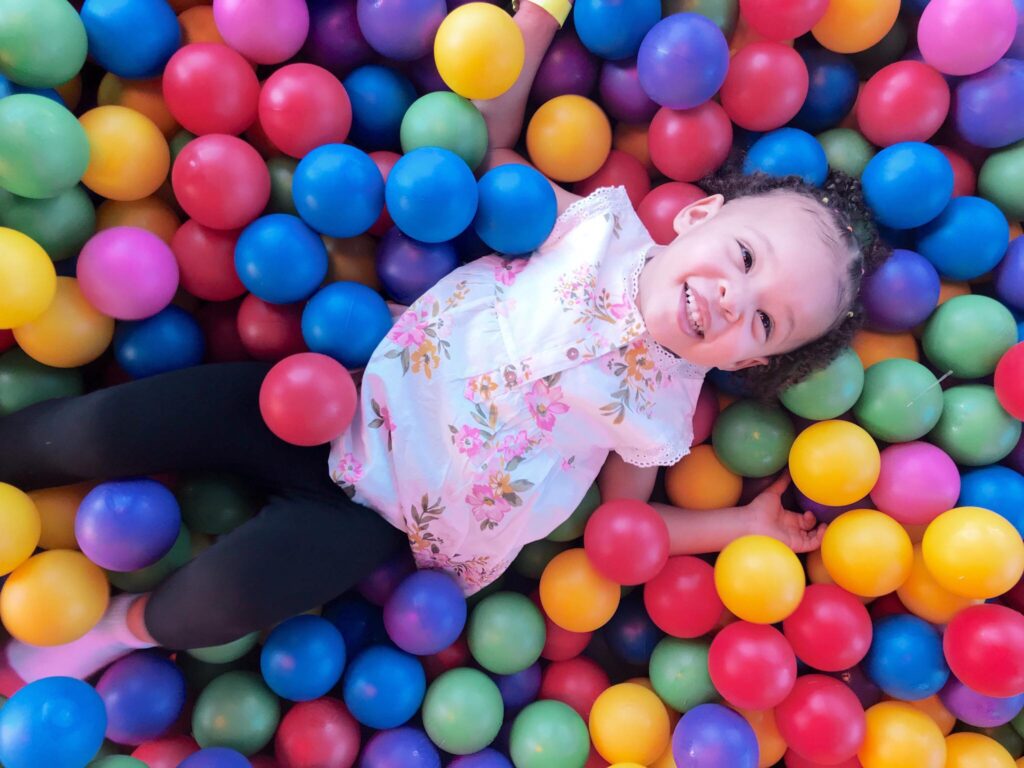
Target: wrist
558 10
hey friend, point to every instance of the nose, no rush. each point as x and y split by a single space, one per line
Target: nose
728 302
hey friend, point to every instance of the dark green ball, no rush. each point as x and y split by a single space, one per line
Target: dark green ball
752 439
901 401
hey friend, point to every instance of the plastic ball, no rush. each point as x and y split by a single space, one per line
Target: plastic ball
1009 276
548 734
221 181
629 723
901 401
211 88
264 31
765 87
821 720
485 758
905 101
380 98
317 733
974 429
828 392
700 481
687 145
402 30
236 710
626 541
431 194
961 38
968 335
849 26
782 21
426 613
985 111
917 482
127 273
631 634
60 225
575 595
984 645
405 747
444 119
901 293
966 240
517 209
906 658
28 280
132 40
270 331
576 682
614 30
22 526
166 752
714 736
302 107
1007 381
847 150
206 261
335 41
752 666
505 633
302 658
973 750
43 149
346 321
215 757
569 138
43 48
479 51
973 552
462 711
567 68
70 333
867 552
308 399
996 180
128 155
662 204
788 152
683 42
621 93
976 709
407 268
384 687
681 599
144 695
830 630
167 341
834 462
831 93
924 597
280 259
759 579
752 439
907 185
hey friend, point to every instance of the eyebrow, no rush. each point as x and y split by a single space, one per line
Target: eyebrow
770 249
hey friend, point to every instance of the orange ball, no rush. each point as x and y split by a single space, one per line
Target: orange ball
936 710
926 598
57 509
632 139
144 96
183 5
71 92
574 595
700 481
70 333
900 736
874 347
198 26
352 258
128 155
771 747
950 290
569 138
849 26
149 213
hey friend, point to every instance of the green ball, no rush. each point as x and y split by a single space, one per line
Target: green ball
43 149
974 429
1001 180
549 734
1018 723
506 633
901 401
724 13
145 579
679 673
61 224
42 42
228 652
178 142
1010 740
752 439
573 528
445 119
535 556
236 710
282 170
968 334
846 150
215 503
827 392
463 711
117 761
24 381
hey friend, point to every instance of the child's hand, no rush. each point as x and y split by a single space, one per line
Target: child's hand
800 532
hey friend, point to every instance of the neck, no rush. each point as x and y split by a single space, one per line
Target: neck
641 283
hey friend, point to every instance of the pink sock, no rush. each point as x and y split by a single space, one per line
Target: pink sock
108 641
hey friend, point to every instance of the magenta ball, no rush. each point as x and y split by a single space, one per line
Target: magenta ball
917 483
127 273
264 31
335 41
961 37
622 95
567 68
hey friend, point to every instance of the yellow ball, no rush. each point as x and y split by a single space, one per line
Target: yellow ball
834 463
973 552
128 155
57 509
901 736
574 595
569 138
867 552
20 524
975 750
667 759
70 333
479 51
926 598
629 724
759 579
700 481
849 26
53 598
28 279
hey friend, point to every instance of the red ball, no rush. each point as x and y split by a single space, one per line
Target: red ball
303 106
830 630
984 646
905 101
659 209
765 87
1015 597
965 178
220 181
689 144
210 88
6 339
219 322
455 655
822 720
1009 381
317 734
270 331
206 261
576 682
166 752
385 161
751 665
308 399
621 169
782 19
263 761
682 600
561 644
793 760
886 605
626 541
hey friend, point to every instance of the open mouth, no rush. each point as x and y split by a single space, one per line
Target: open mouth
692 314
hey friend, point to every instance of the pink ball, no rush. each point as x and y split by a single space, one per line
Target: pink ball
127 273
918 482
961 37
264 31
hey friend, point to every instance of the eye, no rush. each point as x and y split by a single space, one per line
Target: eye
748 257
766 321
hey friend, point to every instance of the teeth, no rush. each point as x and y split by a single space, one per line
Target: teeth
691 307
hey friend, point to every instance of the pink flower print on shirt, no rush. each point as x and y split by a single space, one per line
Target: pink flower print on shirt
619 310
545 403
514 446
488 507
349 469
505 272
409 330
468 440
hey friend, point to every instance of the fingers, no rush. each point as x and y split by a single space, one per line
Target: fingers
808 520
781 483
808 541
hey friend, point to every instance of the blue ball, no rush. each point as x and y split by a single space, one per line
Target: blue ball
631 633
360 623
380 97
338 190
1009 281
520 688
131 38
144 694
517 209
9 88
408 268
907 185
215 757
487 758
400 748
303 658
966 240
906 659
1000 489
384 687
280 259
788 152
831 93
712 735
683 42
346 321
614 29
169 340
55 721
431 194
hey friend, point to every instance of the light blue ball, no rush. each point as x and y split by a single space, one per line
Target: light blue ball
384 687
56 721
131 38
966 240
303 658
614 29
906 659
338 190
907 185
431 194
788 152
997 488
517 209
280 259
346 321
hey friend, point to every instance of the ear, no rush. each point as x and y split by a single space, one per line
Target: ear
697 212
750 362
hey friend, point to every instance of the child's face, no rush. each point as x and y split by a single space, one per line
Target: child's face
744 280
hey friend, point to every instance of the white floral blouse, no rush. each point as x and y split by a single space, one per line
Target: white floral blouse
489 409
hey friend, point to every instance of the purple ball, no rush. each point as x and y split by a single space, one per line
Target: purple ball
977 709
826 514
519 689
1016 458
426 614
408 268
713 735
1010 276
567 68
144 694
622 95
127 524
488 758
400 748
335 41
215 757
862 686
683 60
378 586
401 29
424 75
901 293
988 105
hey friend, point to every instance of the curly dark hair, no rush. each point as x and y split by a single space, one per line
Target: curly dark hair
853 231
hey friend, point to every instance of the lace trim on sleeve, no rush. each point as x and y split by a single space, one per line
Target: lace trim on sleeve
598 201
665 456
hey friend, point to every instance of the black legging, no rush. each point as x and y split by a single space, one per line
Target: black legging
307 545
